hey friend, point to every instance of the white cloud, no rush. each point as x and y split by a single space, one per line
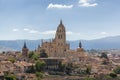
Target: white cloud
26 29
48 32
103 33
59 6
15 30
72 33
34 31
87 3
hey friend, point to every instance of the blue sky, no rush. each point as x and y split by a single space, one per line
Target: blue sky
38 19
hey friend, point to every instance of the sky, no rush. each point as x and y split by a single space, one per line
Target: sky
39 19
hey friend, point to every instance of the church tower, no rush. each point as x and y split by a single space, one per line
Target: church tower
24 50
60 40
60 37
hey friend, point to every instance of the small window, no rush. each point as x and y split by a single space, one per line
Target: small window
60 30
61 36
65 50
58 36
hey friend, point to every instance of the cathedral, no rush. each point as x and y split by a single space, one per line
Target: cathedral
58 47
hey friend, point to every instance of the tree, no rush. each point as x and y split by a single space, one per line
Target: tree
69 68
39 65
104 55
31 54
39 75
117 70
35 57
12 60
3 52
43 54
10 77
88 70
31 69
113 75
62 66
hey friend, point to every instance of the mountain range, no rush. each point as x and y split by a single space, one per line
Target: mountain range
103 43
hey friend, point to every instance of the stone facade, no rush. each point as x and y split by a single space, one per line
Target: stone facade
58 46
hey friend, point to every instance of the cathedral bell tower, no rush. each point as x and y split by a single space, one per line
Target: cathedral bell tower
60 37
60 40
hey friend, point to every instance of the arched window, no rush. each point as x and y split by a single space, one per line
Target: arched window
60 30
61 36
58 36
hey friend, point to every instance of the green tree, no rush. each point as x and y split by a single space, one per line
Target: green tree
104 55
39 75
39 65
69 68
117 70
12 59
31 54
3 52
35 57
88 70
43 54
113 75
10 77
31 69
62 67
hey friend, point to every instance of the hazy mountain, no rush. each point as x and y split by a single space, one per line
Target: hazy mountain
2 49
103 43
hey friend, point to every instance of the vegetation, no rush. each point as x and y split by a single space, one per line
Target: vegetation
31 70
62 67
117 70
88 70
39 66
113 75
43 54
12 59
39 75
69 68
104 55
89 79
33 55
10 77
3 52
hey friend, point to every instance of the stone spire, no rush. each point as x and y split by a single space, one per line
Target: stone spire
38 46
24 50
61 21
24 45
80 44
